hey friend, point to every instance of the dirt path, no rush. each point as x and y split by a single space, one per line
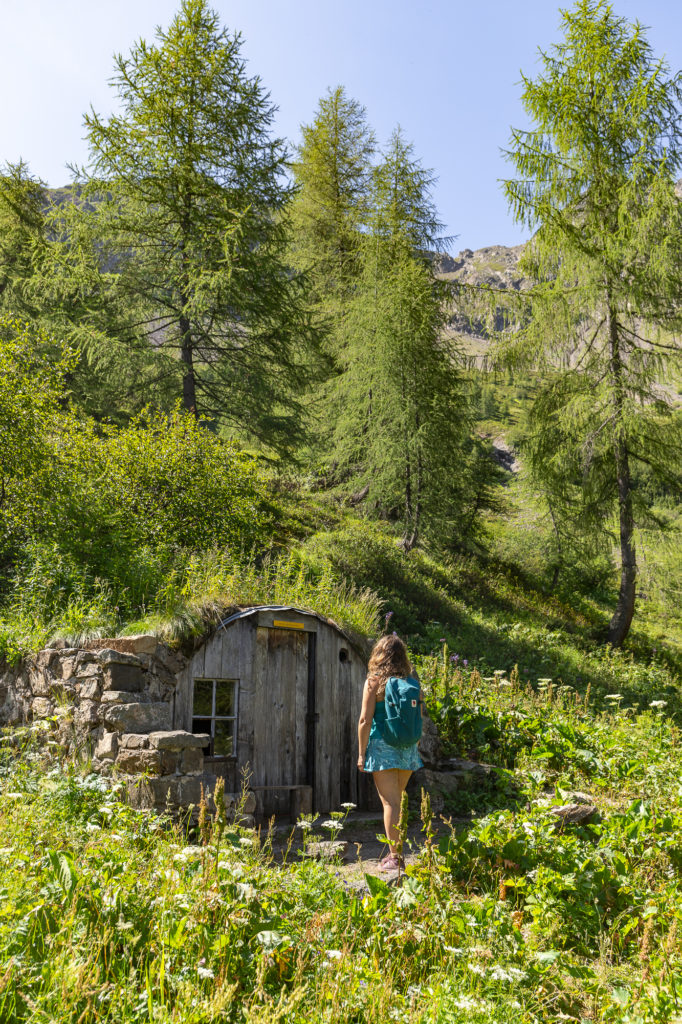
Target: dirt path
364 849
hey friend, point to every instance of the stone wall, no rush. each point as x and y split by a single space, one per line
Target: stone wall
116 706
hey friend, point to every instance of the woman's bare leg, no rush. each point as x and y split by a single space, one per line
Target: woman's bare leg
391 785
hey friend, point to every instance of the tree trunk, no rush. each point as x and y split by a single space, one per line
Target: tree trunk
189 390
625 609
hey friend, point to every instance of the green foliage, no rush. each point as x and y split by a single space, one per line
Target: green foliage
179 217
31 386
115 914
332 172
394 401
22 201
596 178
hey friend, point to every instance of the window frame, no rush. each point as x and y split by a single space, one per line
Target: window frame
213 718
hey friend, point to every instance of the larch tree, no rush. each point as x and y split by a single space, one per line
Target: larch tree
22 229
401 413
595 182
333 173
183 199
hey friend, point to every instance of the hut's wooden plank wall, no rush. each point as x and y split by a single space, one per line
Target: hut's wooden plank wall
271 666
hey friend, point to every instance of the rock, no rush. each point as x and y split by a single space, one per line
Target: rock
134 740
42 708
86 714
132 761
138 717
191 760
123 676
429 744
142 643
87 671
177 739
108 656
327 850
90 690
575 814
121 697
248 802
107 747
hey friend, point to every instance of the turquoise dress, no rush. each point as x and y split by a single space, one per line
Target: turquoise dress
380 755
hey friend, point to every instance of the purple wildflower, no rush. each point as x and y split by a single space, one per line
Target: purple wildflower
454 658
442 640
388 617
465 663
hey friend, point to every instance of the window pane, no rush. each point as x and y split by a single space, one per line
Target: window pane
223 738
224 697
202 725
203 697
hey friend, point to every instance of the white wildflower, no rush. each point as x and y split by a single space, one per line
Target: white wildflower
477 969
333 826
349 807
614 696
507 973
305 826
658 704
245 841
333 954
205 972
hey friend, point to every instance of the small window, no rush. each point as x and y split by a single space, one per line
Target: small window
214 711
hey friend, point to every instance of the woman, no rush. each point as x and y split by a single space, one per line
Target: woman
390 766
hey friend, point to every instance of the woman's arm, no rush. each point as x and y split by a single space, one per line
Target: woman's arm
369 699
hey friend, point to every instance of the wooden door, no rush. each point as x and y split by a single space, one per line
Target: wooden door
279 716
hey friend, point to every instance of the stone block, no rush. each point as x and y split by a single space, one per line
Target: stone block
429 744
142 643
44 658
86 714
191 760
120 697
87 671
89 690
138 717
189 790
140 794
67 666
40 682
83 658
111 657
134 740
107 746
139 761
120 676
42 708
177 739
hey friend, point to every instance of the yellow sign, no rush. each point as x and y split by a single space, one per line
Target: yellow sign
278 623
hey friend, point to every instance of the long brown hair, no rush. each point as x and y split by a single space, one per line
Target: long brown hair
388 658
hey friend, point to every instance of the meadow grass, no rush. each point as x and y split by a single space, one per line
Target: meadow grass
112 914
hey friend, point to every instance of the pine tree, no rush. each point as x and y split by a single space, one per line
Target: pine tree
596 184
189 187
401 412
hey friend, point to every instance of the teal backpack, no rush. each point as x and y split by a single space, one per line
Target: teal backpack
403 723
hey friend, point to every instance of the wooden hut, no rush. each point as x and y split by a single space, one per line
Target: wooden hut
278 691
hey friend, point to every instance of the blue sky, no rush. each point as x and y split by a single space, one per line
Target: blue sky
447 71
